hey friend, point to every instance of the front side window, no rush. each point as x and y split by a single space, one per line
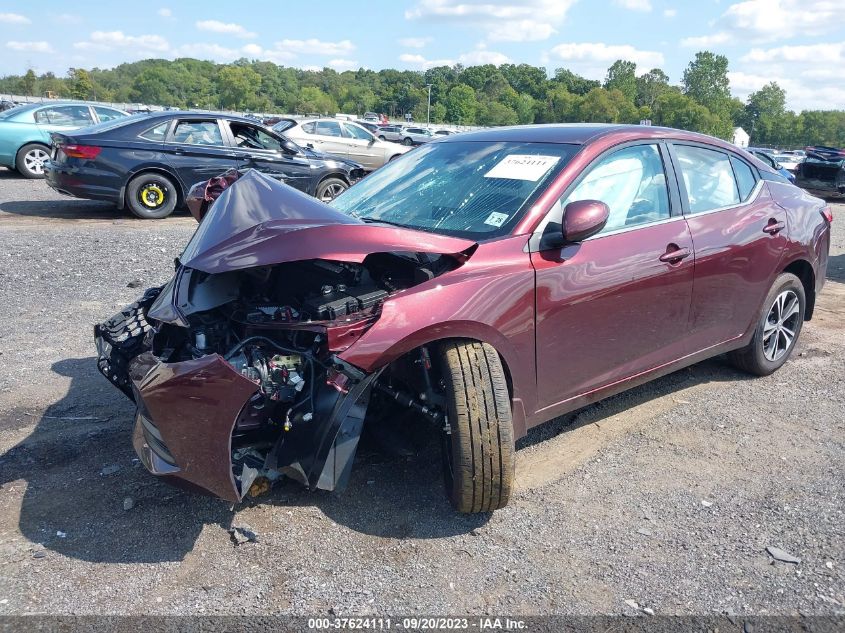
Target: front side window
328 128
472 189
77 115
708 178
631 182
198 133
107 114
249 136
355 132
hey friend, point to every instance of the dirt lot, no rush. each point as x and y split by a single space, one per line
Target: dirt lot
667 495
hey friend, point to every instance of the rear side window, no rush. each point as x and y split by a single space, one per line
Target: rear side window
78 115
308 128
328 128
745 179
156 134
198 133
708 178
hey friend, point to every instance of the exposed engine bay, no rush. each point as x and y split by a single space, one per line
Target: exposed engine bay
278 327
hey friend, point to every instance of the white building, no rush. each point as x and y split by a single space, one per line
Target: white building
741 137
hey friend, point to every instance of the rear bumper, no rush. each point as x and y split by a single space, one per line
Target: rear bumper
79 184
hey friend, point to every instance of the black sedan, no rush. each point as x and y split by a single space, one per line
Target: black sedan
148 162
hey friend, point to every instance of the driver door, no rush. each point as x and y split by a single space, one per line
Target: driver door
256 148
616 304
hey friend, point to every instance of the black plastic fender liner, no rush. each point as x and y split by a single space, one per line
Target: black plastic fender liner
319 453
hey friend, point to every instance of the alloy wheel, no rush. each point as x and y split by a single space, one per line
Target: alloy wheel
34 160
781 324
332 191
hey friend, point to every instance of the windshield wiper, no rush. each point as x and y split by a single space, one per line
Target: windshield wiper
377 221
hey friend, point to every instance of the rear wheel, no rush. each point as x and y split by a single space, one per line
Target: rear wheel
151 196
407 141
330 188
381 137
30 160
777 330
478 444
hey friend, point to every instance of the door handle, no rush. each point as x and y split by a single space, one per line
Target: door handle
774 227
179 151
674 254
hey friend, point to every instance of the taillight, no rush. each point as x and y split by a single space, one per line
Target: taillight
88 152
827 213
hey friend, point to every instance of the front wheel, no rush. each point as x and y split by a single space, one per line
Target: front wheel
151 196
30 160
478 446
777 330
330 189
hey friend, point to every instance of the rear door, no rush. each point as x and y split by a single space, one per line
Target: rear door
739 234
616 304
196 149
328 137
260 149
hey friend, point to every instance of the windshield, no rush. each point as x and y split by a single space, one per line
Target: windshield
470 189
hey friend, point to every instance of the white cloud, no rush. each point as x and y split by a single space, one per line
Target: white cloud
479 57
593 58
770 20
343 64
529 20
165 12
421 63
703 41
811 53
108 40
634 5
227 28
14 18
203 50
30 47
414 42
315 47
670 13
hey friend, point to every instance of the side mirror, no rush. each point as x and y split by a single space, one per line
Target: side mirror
584 218
290 147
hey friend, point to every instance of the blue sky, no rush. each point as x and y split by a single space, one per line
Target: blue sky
799 43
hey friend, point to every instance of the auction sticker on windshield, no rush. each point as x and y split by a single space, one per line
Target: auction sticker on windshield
522 167
496 218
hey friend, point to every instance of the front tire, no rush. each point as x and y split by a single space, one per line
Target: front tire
330 188
479 449
151 196
30 160
777 330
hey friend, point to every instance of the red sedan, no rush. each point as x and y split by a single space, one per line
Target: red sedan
481 285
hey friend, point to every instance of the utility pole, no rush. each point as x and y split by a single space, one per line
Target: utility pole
428 116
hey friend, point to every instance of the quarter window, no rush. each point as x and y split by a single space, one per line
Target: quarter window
156 134
198 133
745 179
308 128
328 128
708 178
631 182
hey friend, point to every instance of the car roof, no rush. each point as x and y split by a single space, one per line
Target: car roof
185 114
580 134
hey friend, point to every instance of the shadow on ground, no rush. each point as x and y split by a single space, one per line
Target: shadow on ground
836 268
77 473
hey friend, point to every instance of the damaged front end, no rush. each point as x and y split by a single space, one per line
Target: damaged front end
233 365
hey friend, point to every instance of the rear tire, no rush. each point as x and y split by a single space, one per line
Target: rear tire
478 454
330 188
407 141
381 137
777 328
151 196
30 158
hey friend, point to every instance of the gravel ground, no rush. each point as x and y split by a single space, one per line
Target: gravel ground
667 495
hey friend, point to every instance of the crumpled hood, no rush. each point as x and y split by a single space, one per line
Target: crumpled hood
259 221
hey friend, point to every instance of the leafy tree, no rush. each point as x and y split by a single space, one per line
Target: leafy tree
312 99
622 76
650 86
81 86
607 106
28 82
494 113
706 80
461 105
525 79
573 83
238 87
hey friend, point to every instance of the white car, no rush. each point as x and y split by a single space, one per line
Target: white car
790 160
416 135
342 138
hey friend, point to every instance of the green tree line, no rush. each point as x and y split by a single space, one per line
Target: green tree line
475 95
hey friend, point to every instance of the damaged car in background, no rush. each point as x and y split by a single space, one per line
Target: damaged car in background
477 287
